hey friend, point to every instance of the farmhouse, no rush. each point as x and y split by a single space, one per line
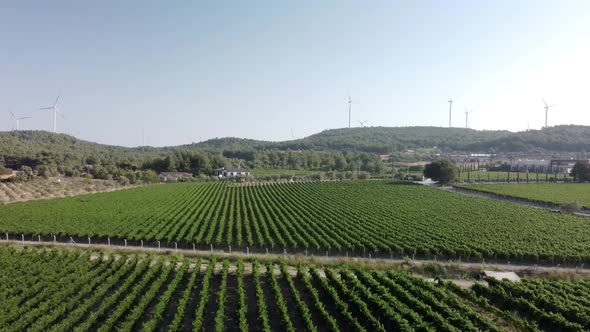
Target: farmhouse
230 172
174 176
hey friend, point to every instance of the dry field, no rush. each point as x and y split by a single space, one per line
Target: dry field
52 188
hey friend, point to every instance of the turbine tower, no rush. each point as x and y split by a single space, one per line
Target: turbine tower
349 109
547 107
467 118
56 111
362 123
450 110
18 119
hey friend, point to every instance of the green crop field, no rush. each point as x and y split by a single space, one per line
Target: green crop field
558 193
354 217
560 305
74 290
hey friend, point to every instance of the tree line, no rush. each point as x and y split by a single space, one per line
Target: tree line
35 153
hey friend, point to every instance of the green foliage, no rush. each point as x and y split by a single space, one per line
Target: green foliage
557 193
443 171
67 290
581 172
360 217
382 140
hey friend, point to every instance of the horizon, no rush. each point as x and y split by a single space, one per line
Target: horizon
277 72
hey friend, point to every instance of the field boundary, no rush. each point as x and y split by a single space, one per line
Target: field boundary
473 265
517 200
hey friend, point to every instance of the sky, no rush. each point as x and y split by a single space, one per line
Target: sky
187 71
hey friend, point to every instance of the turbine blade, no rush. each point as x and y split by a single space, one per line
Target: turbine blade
47 108
14 116
56 100
26 117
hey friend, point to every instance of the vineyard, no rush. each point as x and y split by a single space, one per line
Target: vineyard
558 193
336 218
557 305
53 290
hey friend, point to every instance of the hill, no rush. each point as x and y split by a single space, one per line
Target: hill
337 149
556 139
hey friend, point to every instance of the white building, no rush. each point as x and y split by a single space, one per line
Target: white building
230 172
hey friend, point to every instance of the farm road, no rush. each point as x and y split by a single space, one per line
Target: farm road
526 269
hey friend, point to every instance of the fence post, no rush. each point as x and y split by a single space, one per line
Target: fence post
109 240
54 239
248 251
6 236
142 243
211 247
125 243
23 238
285 252
89 242
175 246
194 249
159 248
39 238
267 251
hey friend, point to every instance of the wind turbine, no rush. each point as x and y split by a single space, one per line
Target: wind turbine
547 107
349 109
450 110
18 119
56 111
467 118
362 123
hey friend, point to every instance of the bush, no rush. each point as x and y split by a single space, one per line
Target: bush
443 171
5 171
570 207
363 176
123 180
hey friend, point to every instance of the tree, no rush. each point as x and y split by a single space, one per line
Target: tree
443 171
581 172
150 176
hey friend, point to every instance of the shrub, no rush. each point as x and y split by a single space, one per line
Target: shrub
570 207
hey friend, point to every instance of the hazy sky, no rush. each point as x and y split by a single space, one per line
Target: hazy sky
192 70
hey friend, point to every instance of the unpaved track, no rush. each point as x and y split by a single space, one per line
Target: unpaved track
528 269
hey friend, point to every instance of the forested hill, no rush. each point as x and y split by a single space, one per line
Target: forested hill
372 139
384 139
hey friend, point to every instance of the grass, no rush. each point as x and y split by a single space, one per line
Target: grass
558 193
